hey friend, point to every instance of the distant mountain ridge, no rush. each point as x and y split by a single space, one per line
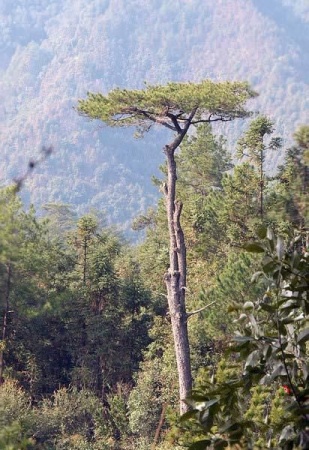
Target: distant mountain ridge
52 55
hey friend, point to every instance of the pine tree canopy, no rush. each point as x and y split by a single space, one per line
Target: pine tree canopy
171 105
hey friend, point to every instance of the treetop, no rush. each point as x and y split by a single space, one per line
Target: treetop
171 105
253 140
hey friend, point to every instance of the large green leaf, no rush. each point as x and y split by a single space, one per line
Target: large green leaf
242 339
188 415
279 371
261 232
229 425
290 304
199 397
254 248
211 402
303 336
270 236
220 444
253 359
280 247
200 445
268 307
256 276
270 267
287 435
206 419
296 258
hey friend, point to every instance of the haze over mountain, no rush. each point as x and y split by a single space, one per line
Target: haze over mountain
53 52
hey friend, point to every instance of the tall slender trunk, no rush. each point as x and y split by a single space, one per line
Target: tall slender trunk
175 280
261 186
5 318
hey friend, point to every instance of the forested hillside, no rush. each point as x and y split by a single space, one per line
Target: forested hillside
196 336
87 354
53 52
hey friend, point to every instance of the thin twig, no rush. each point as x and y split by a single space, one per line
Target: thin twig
192 313
46 152
159 427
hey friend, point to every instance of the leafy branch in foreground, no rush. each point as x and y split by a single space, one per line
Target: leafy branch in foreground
268 354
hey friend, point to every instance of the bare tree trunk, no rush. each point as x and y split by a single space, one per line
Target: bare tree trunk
159 427
261 187
5 319
175 279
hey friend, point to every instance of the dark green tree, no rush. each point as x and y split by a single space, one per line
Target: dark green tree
294 180
10 210
202 161
253 146
35 348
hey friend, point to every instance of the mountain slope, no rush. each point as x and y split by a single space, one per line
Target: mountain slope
53 55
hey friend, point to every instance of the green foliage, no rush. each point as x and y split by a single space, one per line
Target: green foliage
294 180
230 291
80 318
202 161
71 419
153 255
301 137
156 383
14 403
202 164
61 218
11 438
227 217
271 348
118 411
156 104
71 416
10 213
15 415
253 144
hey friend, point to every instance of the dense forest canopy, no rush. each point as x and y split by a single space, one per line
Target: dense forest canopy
53 54
86 355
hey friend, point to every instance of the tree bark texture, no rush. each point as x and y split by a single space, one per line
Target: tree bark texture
261 186
175 279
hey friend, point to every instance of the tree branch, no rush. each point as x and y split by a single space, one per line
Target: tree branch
177 141
175 119
209 120
154 118
192 313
